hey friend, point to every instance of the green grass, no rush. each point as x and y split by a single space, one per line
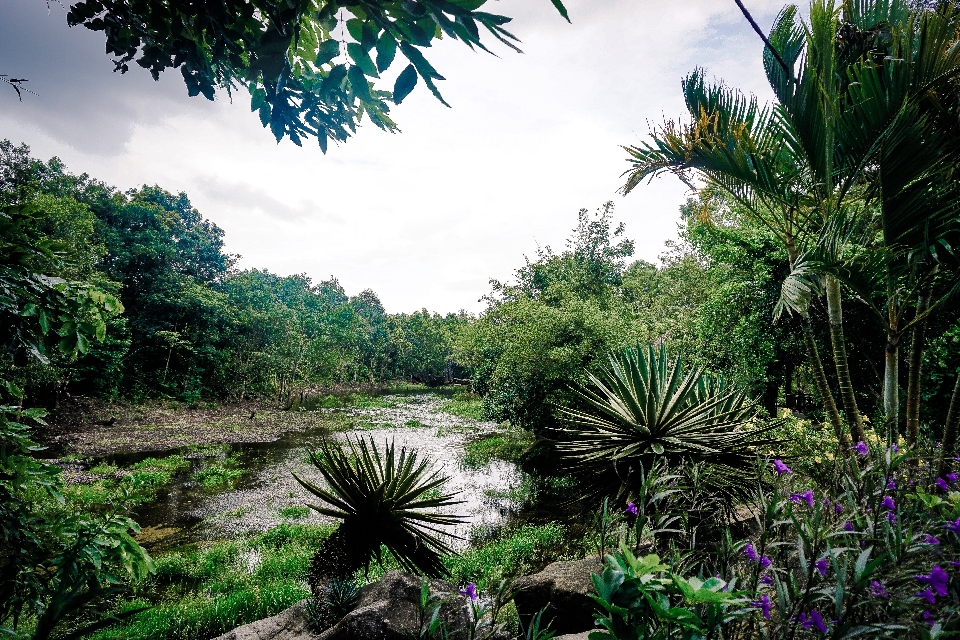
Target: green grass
414 424
294 513
140 484
219 472
506 445
203 593
465 406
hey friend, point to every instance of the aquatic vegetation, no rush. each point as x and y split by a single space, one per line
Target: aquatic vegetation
507 444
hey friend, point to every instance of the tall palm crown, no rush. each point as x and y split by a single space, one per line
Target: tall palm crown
380 499
643 408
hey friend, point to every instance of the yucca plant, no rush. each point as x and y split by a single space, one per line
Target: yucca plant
643 408
382 500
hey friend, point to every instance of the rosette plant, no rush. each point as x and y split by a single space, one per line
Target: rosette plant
382 500
643 408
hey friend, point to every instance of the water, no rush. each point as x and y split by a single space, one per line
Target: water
187 512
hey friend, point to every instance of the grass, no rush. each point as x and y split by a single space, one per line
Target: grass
203 593
506 445
464 405
219 471
294 513
131 487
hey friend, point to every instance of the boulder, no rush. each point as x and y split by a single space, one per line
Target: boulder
573 636
564 587
292 624
388 610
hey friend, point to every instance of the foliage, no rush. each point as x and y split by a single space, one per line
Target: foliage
304 80
643 407
57 568
382 500
506 444
868 553
640 598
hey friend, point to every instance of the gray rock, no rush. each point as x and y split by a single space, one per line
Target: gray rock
564 587
573 636
388 610
292 624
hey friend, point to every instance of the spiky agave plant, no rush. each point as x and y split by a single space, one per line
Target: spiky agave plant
643 408
383 499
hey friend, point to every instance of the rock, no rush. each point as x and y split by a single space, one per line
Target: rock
573 636
292 624
388 610
564 586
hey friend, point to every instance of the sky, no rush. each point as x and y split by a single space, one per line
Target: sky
425 217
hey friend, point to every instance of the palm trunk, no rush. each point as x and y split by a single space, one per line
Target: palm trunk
916 361
948 444
838 342
891 385
823 387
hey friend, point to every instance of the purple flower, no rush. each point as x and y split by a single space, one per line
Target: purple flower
631 509
942 485
750 552
861 448
781 468
878 590
763 604
813 620
937 579
470 591
952 477
847 526
953 526
766 579
892 517
838 508
891 484
821 566
929 618
765 562
888 503
927 595
806 496
929 539
894 448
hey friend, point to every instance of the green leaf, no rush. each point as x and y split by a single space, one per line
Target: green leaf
562 9
355 27
257 99
265 113
386 51
29 310
329 50
405 83
358 82
362 58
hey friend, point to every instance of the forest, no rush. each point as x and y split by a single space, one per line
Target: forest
754 437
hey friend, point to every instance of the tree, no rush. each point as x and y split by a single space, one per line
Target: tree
305 76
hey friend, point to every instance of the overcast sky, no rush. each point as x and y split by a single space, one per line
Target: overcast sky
424 217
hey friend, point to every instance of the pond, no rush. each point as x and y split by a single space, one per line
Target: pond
263 492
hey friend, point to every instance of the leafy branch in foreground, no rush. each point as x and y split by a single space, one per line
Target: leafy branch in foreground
387 500
310 66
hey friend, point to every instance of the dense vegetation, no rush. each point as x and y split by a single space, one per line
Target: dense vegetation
739 412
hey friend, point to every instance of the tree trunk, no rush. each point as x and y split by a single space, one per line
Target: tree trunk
891 385
948 444
837 341
916 360
823 387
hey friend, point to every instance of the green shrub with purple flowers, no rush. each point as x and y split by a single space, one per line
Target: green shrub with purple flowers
875 554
